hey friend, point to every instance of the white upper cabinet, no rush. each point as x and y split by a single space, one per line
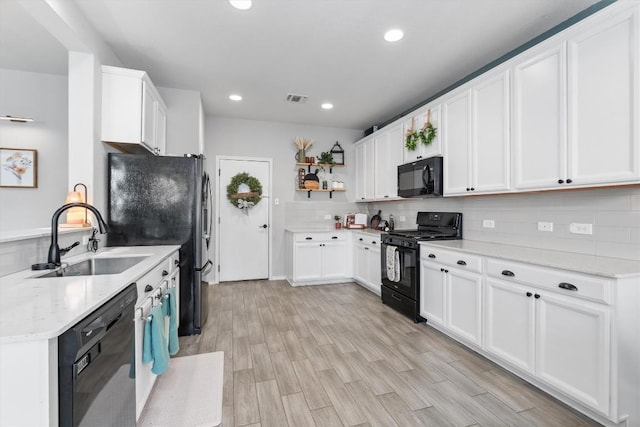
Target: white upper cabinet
476 137
603 101
416 121
539 118
134 116
490 150
576 106
388 155
456 114
364 170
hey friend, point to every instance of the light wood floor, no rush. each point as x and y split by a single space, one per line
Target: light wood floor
333 355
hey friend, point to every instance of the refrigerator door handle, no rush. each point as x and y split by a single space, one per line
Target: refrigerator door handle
206 267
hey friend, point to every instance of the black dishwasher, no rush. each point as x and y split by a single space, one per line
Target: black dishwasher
96 384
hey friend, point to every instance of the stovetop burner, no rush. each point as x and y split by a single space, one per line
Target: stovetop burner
434 226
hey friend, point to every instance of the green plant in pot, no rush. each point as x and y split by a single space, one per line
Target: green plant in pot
325 158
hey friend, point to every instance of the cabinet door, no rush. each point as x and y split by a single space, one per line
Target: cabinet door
361 171
334 260
539 118
573 347
509 323
175 282
369 170
307 264
457 144
375 268
148 117
422 151
603 102
161 130
361 260
490 153
381 155
464 304
432 292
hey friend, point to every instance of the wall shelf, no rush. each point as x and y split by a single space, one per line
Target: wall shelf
319 165
339 190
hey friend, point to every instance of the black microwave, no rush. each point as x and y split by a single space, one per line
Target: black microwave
422 178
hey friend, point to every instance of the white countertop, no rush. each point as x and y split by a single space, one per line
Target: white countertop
333 229
589 264
33 309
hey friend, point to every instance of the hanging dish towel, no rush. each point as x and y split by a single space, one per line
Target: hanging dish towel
169 309
154 343
393 264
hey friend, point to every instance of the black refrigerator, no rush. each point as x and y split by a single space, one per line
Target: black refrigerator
164 200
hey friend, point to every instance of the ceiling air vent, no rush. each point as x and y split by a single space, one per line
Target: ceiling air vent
298 99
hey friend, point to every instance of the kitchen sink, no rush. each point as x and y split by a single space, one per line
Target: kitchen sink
96 266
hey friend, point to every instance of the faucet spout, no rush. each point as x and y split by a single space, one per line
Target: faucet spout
53 261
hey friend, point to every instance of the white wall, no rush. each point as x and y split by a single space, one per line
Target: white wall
250 138
614 213
44 98
183 120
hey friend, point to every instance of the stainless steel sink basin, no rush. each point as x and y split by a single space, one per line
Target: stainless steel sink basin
96 266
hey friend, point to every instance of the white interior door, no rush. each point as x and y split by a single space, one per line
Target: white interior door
243 233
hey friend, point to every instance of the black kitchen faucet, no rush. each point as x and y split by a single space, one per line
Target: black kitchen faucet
54 251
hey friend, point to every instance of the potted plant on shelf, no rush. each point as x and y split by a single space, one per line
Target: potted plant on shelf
338 223
325 159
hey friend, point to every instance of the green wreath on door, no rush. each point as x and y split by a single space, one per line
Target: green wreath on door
245 200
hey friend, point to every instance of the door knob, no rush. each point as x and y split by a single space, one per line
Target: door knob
262 226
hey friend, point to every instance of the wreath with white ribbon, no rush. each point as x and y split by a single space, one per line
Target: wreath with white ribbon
244 191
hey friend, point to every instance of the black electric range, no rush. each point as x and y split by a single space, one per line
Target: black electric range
401 283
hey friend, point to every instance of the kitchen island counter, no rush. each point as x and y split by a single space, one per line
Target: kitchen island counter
34 309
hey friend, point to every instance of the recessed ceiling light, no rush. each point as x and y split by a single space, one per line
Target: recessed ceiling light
393 35
241 4
235 97
327 106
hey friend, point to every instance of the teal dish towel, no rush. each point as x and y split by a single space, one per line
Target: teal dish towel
154 348
174 344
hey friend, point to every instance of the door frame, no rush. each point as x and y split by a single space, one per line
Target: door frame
221 198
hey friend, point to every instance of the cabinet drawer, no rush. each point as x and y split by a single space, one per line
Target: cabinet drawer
564 282
152 279
367 239
460 260
320 237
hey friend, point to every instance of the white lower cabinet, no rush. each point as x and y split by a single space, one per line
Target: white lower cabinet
319 257
572 348
541 321
367 262
451 297
509 323
567 332
151 289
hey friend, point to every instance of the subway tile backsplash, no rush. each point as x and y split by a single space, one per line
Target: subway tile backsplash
614 213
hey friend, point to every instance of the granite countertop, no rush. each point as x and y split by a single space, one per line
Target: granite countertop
590 264
33 309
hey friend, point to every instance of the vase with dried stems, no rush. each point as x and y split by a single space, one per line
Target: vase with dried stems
303 144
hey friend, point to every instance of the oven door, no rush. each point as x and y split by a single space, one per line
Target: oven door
407 285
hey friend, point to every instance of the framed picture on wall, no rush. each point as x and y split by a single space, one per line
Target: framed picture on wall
18 168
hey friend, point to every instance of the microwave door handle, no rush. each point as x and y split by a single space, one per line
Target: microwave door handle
426 171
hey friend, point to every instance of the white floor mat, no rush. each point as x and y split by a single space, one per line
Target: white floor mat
189 394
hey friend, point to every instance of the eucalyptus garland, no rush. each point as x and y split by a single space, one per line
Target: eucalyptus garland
424 135
244 200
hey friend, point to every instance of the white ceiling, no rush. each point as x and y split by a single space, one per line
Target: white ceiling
330 50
